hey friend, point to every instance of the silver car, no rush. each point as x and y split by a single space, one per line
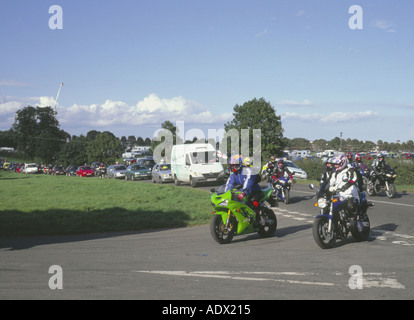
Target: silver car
162 173
295 170
116 171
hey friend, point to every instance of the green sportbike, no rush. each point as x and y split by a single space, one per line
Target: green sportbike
232 216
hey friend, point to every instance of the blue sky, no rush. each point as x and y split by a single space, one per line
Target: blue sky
128 65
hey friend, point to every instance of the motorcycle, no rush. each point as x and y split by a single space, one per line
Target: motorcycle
383 182
232 216
281 190
335 223
100 172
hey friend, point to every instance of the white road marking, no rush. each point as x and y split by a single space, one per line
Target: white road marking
384 234
370 280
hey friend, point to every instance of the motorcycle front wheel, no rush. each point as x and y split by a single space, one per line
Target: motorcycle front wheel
322 237
219 232
371 189
391 192
286 196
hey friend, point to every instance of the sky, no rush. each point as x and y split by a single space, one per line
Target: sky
129 65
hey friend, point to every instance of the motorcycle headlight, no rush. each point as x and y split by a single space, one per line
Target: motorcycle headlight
224 203
322 203
282 181
394 176
388 175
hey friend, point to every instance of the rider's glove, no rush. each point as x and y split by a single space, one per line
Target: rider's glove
241 195
332 189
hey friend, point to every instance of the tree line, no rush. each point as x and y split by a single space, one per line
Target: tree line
36 136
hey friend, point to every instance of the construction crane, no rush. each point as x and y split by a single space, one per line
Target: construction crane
57 97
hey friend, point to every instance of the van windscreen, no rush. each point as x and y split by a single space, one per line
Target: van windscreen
205 157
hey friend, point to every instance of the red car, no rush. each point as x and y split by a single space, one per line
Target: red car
85 171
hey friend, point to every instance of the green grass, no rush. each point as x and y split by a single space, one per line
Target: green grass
34 205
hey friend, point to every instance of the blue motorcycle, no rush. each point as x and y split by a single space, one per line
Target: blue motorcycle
281 190
334 222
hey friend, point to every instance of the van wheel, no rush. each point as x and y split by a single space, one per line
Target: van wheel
193 183
176 181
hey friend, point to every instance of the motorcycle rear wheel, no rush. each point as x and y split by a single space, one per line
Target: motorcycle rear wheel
361 235
320 233
219 232
270 227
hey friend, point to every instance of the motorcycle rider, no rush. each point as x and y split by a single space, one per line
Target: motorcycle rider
281 171
349 157
270 167
360 169
326 174
378 166
343 182
245 177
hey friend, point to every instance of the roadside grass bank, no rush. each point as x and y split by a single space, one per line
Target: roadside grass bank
33 205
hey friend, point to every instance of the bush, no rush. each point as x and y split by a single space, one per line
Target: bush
405 169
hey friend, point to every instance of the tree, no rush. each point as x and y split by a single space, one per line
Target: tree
258 114
131 141
37 133
74 152
106 148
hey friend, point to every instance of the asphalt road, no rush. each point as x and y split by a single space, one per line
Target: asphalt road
186 264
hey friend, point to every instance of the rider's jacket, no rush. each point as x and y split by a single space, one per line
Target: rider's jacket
282 173
246 178
378 166
345 188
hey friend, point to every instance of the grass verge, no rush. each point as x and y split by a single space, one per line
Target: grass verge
33 205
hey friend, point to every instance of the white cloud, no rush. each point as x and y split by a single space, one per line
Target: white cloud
12 83
262 33
118 116
293 103
331 118
300 13
384 25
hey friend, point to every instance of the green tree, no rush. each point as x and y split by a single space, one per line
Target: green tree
74 152
106 147
259 114
37 133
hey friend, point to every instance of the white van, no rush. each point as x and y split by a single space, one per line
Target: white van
30 168
195 163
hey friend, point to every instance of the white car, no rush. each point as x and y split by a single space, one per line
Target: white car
30 168
295 170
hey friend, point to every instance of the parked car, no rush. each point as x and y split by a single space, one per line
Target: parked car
58 170
85 171
116 171
146 162
71 171
162 173
295 170
30 168
136 171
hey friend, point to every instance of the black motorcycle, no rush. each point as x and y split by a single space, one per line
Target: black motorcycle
384 181
100 172
334 222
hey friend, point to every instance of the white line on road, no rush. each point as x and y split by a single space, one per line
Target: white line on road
370 280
